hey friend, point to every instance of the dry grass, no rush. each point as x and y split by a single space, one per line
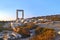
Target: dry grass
47 34
40 33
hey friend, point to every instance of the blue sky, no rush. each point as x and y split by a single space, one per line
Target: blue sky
31 7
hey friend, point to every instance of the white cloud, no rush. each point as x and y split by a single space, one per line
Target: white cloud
5 16
28 14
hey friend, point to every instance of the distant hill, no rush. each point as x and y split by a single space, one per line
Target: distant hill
49 17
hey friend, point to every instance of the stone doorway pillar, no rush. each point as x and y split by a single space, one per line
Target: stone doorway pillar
17 14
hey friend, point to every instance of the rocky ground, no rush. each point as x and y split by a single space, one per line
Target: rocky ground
54 25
